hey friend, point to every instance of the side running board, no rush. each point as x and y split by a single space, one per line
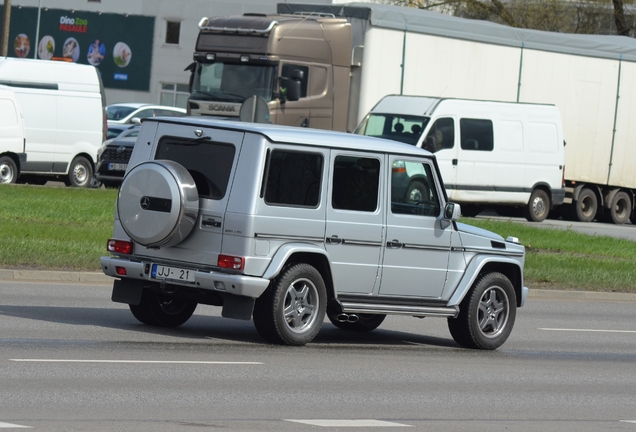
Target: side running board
416 311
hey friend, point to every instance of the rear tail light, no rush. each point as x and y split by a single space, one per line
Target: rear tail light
231 262
119 247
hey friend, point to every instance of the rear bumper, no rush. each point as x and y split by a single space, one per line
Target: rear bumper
247 286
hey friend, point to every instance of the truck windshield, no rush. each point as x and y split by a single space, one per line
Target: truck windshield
403 128
233 82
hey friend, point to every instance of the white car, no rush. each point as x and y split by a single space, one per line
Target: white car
126 113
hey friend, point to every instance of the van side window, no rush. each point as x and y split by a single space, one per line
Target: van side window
355 183
413 189
476 134
440 136
293 178
286 73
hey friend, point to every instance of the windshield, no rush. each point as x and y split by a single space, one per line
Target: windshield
403 128
232 82
115 112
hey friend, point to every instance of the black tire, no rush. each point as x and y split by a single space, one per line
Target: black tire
538 206
8 170
80 173
471 210
620 209
416 193
586 206
292 309
162 311
487 313
365 323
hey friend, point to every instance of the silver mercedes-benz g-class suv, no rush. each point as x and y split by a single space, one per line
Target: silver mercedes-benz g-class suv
285 225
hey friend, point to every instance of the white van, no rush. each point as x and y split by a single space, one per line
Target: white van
63 105
490 154
12 136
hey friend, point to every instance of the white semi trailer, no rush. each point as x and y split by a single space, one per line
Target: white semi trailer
407 51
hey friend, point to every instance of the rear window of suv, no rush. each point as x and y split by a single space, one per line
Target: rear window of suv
209 163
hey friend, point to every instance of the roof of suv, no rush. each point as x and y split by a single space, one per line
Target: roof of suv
300 136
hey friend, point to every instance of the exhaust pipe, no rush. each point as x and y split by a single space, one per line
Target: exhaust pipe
351 318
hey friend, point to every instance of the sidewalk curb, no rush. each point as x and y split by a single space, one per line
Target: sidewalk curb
100 278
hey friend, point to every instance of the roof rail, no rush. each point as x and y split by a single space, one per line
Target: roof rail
318 14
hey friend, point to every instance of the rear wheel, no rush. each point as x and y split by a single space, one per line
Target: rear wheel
162 311
538 207
586 206
80 173
8 170
365 322
292 309
487 313
620 209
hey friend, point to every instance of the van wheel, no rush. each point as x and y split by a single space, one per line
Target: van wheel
162 311
365 322
538 207
80 173
620 209
586 206
8 170
417 193
487 313
292 309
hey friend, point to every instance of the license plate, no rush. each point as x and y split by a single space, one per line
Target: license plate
117 166
172 273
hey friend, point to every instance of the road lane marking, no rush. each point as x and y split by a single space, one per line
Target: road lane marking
349 423
13 426
134 361
627 421
588 330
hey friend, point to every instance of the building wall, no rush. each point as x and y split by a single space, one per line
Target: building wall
168 60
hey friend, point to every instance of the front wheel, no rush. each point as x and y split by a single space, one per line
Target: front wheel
292 309
538 207
487 313
159 310
80 173
8 170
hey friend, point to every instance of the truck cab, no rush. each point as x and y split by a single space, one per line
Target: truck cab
297 64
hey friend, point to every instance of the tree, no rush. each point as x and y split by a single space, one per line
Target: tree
582 16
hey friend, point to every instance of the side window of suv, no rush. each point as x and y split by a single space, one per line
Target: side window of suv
293 178
355 183
413 189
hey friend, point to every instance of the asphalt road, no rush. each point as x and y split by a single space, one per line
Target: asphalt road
72 360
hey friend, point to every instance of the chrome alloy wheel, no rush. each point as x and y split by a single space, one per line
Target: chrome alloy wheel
492 315
300 305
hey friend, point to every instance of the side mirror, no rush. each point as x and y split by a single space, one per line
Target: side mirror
293 90
135 120
452 212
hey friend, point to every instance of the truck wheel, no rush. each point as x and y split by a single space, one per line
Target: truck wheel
292 309
8 170
538 207
487 313
620 209
586 206
162 311
416 193
365 322
80 173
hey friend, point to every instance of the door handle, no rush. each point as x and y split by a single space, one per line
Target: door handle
454 161
334 240
394 244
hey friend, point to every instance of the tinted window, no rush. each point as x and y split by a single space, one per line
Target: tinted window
476 134
209 163
413 189
355 183
293 178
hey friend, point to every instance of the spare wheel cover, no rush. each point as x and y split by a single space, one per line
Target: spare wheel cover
158 203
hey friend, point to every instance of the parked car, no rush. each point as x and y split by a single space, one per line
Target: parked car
126 113
115 129
285 225
113 157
